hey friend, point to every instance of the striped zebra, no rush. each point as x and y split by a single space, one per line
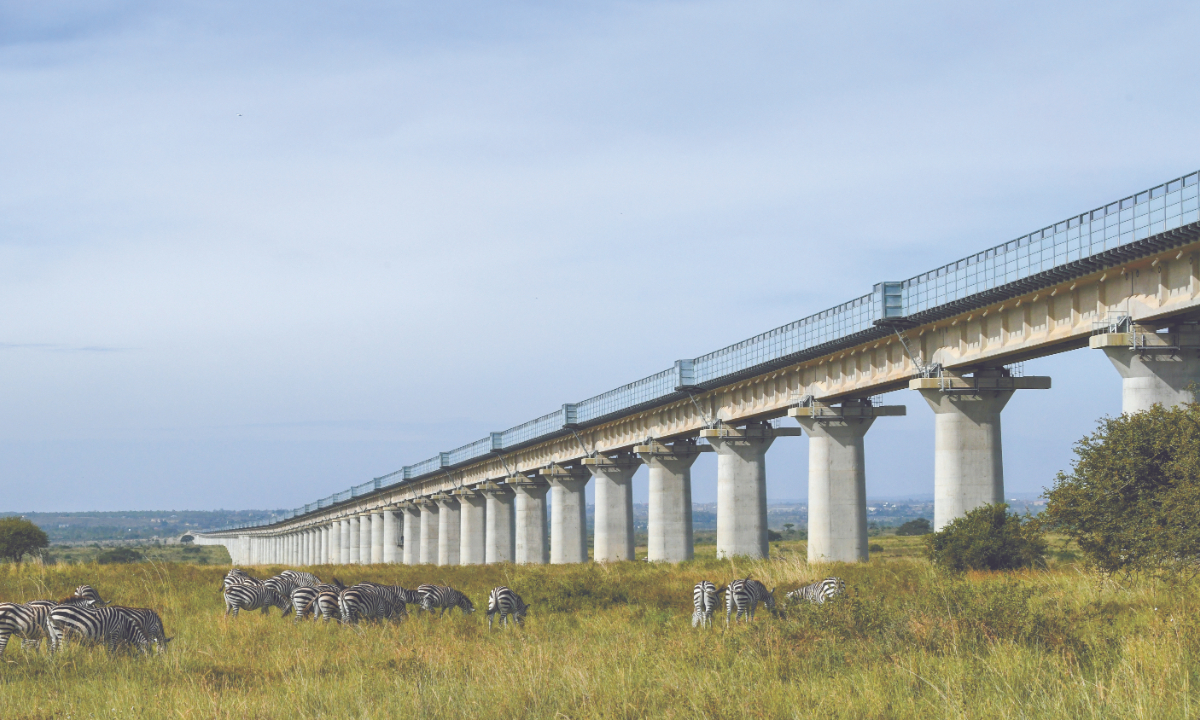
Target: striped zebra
300 579
819 591
446 598
506 602
327 605
302 597
744 596
90 594
368 601
252 597
238 576
108 625
704 598
28 621
285 582
151 624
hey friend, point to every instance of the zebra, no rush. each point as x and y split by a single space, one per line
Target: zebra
238 576
252 597
28 621
151 624
327 605
109 625
285 582
446 598
301 579
89 593
506 602
410 597
302 597
744 595
704 597
368 601
819 591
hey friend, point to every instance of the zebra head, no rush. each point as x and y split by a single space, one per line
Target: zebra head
769 600
465 604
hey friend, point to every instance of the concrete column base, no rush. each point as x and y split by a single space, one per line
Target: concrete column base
1156 368
568 513
473 528
500 535
669 526
531 546
613 534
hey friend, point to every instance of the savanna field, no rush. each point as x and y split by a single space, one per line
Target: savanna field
907 641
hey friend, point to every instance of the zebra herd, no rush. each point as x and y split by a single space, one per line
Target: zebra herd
744 596
304 594
83 615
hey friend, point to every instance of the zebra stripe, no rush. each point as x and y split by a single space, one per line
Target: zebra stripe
252 597
26 621
238 576
93 625
744 596
704 599
446 598
89 593
368 601
819 591
506 602
303 598
151 624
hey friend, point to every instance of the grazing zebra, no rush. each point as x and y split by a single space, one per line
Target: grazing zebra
107 625
409 597
252 597
506 602
819 591
89 593
446 598
151 624
704 597
327 605
368 601
302 597
27 621
300 579
238 576
744 595
285 582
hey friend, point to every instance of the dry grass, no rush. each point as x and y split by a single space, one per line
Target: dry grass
616 641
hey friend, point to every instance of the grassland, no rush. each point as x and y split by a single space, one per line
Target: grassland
615 641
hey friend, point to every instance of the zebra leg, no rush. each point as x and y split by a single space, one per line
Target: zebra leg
3 642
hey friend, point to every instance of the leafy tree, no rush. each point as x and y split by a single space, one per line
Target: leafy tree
19 537
987 538
1132 499
920 526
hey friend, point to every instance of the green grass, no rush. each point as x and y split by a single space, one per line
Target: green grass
616 641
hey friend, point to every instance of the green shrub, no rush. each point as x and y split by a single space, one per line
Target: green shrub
987 538
920 526
875 548
119 555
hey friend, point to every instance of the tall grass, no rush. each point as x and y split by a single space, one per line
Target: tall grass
616 641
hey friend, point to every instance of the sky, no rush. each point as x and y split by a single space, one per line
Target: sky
252 254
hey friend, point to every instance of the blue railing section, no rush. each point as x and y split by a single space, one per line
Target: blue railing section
1048 255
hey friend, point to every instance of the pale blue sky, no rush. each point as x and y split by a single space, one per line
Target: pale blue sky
251 255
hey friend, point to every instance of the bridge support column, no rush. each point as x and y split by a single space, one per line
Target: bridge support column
1155 368
968 466
376 537
323 545
344 532
305 547
837 480
742 487
429 531
390 546
669 526
449 529
412 533
335 542
613 536
364 539
531 546
568 513
472 531
355 539
500 535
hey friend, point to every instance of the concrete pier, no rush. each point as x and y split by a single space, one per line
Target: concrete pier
390 545
530 520
968 467
613 532
412 533
669 526
356 542
364 538
473 529
568 513
345 533
376 538
742 486
323 553
449 529
1156 368
429 531
837 479
500 536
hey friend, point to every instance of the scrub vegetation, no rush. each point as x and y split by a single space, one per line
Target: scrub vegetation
908 640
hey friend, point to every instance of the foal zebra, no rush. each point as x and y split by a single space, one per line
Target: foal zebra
745 595
252 597
704 598
107 625
446 598
819 591
506 602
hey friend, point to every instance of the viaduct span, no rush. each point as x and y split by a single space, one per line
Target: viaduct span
1123 279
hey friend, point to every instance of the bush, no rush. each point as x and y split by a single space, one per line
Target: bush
1133 495
119 555
988 538
875 548
20 537
774 535
920 526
